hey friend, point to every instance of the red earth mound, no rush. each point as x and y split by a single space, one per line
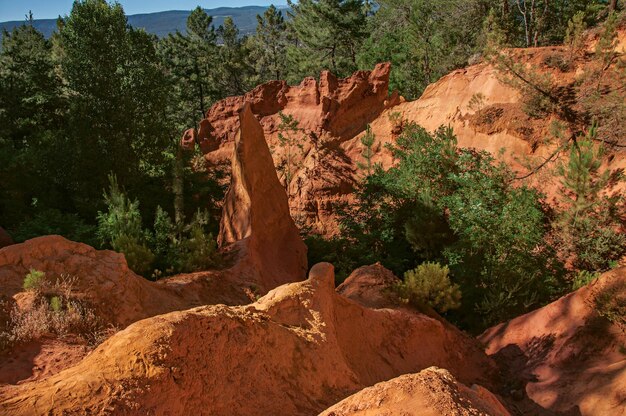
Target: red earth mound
296 351
431 392
566 357
370 286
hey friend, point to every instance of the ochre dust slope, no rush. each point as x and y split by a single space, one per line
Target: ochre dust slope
431 392
565 356
296 351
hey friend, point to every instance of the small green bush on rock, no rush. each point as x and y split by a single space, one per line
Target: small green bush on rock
34 280
429 284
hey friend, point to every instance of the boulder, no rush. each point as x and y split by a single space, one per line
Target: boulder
370 286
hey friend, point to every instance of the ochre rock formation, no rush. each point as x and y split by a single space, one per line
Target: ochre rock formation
565 356
5 238
485 113
431 392
333 114
256 212
296 351
102 279
341 107
370 286
189 139
327 111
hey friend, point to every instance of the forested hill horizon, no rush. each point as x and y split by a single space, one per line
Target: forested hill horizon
165 22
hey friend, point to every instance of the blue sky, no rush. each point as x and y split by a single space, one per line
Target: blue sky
50 9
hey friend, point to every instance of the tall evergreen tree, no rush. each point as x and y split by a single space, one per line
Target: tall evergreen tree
329 34
268 46
31 119
235 71
190 63
116 99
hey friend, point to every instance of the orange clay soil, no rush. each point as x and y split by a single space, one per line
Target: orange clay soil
431 392
296 351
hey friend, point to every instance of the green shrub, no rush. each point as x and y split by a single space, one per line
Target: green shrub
610 303
121 228
138 256
56 304
458 207
198 249
34 280
122 218
165 232
168 248
583 278
429 284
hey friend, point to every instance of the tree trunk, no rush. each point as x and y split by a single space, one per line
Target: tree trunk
524 13
505 9
612 5
178 187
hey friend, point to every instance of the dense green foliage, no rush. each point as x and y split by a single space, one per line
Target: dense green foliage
589 224
101 98
458 207
165 248
328 34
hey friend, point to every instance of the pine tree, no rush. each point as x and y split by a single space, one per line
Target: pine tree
329 34
235 71
29 87
268 47
367 141
32 112
574 35
290 140
581 178
190 63
588 225
116 100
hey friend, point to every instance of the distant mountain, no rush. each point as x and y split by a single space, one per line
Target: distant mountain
162 23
